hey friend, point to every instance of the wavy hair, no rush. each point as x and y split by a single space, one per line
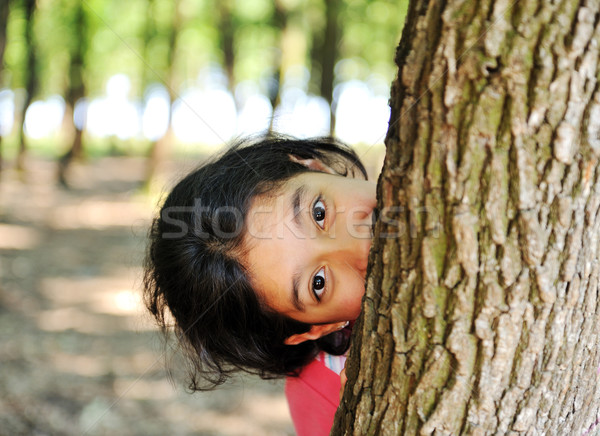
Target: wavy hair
193 271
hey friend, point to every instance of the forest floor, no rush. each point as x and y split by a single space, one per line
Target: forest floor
78 354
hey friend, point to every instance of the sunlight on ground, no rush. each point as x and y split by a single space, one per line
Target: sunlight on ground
82 301
136 363
125 301
71 318
141 389
264 408
98 214
82 355
18 237
88 366
240 419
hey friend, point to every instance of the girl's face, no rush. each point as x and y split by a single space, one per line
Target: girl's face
308 246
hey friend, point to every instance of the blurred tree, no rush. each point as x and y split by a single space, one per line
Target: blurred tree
250 40
481 311
279 21
31 77
159 148
368 28
227 30
149 32
326 53
4 9
75 91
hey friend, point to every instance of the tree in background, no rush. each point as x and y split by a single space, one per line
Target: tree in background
279 21
74 60
325 53
31 77
76 90
481 313
149 33
159 148
227 28
4 9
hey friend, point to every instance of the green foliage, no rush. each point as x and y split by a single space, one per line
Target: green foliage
134 37
370 31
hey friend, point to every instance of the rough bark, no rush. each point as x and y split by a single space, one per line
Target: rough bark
481 311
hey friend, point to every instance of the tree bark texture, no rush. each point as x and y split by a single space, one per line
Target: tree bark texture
481 311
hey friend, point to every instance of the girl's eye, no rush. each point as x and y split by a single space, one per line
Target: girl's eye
318 213
318 283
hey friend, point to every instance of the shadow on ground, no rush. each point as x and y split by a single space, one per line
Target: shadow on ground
78 355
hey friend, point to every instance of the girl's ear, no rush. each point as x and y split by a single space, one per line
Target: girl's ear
313 164
315 332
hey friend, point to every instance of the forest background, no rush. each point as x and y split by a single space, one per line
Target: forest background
104 104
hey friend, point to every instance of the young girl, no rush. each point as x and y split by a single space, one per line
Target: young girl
260 257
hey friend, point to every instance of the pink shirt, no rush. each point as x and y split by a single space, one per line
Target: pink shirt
314 396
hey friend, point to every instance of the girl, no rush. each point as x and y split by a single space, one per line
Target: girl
260 257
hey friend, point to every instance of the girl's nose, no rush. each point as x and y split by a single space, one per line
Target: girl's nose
359 223
356 244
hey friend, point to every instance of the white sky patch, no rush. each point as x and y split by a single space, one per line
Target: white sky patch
7 111
44 117
205 116
206 113
155 118
255 115
115 114
361 116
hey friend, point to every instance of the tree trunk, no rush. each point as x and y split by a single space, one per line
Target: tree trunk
330 55
4 9
481 312
149 32
31 77
325 54
75 92
279 22
226 39
159 149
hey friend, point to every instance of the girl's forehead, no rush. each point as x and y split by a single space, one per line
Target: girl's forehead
274 191
274 215
269 210
286 200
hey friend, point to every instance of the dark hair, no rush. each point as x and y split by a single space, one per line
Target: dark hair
192 269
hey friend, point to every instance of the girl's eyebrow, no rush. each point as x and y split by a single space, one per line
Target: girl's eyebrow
297 202
298 198
296 292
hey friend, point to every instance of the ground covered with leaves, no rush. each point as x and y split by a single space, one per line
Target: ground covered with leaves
78 355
